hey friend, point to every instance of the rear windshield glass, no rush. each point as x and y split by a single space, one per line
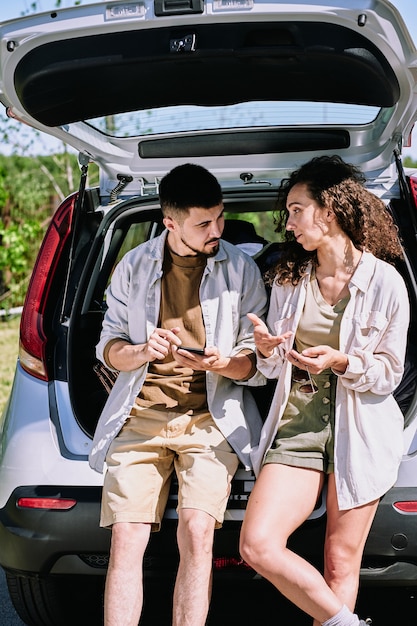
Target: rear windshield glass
241 115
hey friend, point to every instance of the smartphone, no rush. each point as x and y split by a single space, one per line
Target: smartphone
193 350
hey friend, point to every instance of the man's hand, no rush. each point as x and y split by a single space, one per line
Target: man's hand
159 344
264 341
237 367
210 360
126 357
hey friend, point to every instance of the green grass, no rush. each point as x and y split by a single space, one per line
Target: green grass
9 345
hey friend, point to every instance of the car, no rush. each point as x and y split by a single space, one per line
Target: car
250 90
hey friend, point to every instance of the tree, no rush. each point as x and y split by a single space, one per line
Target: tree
31 188
409 162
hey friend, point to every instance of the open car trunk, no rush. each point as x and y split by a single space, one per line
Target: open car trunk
133 221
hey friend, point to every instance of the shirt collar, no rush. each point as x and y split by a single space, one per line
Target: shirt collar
362 275
364 272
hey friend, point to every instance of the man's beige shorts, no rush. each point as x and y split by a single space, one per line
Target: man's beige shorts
141 460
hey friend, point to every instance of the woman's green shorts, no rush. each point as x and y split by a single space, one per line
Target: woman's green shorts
305 436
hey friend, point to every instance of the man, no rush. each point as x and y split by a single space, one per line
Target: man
172 408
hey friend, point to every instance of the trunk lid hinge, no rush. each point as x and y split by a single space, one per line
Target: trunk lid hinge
124 180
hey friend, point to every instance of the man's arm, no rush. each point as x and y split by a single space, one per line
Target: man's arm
125 357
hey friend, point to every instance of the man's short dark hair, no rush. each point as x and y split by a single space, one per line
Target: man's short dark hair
188 186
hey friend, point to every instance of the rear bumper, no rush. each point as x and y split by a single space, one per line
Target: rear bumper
70 542
390 555
54 542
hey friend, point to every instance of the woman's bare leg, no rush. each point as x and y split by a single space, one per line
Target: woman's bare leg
282 499
346 534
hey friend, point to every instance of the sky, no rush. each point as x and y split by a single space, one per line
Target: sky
10 9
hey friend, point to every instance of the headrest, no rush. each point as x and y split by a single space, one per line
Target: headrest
241 231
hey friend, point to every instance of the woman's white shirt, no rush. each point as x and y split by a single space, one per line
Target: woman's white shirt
368 421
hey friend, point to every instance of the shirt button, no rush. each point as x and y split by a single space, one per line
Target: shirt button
325 418
325 400
326 385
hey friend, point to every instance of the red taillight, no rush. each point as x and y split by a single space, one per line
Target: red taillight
33 338
413 185
406 506
57 504
226 562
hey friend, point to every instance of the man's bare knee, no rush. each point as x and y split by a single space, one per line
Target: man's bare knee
129 540
195 530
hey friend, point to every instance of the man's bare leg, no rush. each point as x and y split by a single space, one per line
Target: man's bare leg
123 597
194 578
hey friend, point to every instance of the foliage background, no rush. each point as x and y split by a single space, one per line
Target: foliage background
31 189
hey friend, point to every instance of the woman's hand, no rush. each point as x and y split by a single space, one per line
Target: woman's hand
318 359
264 341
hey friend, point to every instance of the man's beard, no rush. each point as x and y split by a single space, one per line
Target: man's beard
212 252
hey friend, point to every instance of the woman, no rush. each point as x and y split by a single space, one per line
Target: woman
335 339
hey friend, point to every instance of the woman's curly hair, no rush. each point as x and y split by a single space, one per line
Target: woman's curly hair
363 216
